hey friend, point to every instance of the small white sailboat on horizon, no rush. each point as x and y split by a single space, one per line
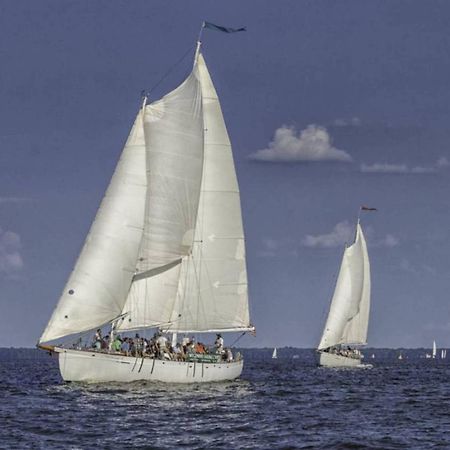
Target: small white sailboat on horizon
274 353
434 352
166 250
348 318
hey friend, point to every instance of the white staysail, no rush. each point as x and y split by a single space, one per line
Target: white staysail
205 289
434 349
97 288
174 140
348 317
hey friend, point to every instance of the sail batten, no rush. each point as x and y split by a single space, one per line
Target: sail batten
348 318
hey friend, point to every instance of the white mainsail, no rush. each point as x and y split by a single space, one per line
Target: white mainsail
97 288
274 354
208 290
434 349
348 317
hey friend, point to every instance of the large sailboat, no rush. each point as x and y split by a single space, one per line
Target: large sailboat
166 250
346 326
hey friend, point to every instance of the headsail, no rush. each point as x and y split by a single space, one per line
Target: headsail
97 288
211 281
348 318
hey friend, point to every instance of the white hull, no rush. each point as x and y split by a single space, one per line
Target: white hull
95 367
333 360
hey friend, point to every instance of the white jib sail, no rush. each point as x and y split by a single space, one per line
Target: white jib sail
348 318
174 141
97 288
212 279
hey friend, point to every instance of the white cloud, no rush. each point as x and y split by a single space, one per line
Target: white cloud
441 163
10 258
343 233
353 122
311 144
388 241
272 248
13 199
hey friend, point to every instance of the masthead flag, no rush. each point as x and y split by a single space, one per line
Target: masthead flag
212 26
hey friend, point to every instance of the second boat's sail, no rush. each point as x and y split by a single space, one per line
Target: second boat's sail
348 319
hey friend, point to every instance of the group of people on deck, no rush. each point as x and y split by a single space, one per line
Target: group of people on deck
342 351
159 347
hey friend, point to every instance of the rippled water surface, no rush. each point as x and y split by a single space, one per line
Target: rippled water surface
285 404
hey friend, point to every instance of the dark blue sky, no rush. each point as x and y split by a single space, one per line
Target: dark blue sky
371 78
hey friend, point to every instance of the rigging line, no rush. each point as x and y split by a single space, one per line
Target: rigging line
169 71
238 338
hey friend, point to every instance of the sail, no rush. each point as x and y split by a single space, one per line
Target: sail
97 288
174 141
213 291
207 290
348 318
434 349
274 354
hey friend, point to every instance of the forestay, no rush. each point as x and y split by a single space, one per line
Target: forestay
97 288
348 318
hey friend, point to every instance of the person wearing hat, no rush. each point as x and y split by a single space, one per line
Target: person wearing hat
219 343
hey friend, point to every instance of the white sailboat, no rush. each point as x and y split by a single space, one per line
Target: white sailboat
433 354
166 249
348 318
274 354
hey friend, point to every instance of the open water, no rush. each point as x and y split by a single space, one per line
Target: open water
287 403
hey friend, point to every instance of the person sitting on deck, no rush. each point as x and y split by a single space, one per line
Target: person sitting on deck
116 345
97 344
178 352
199 348
162 344
124 346
105 342
219 344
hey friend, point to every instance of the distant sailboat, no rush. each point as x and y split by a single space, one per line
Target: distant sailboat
400 356
443 354
348 318
274 354
433 355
